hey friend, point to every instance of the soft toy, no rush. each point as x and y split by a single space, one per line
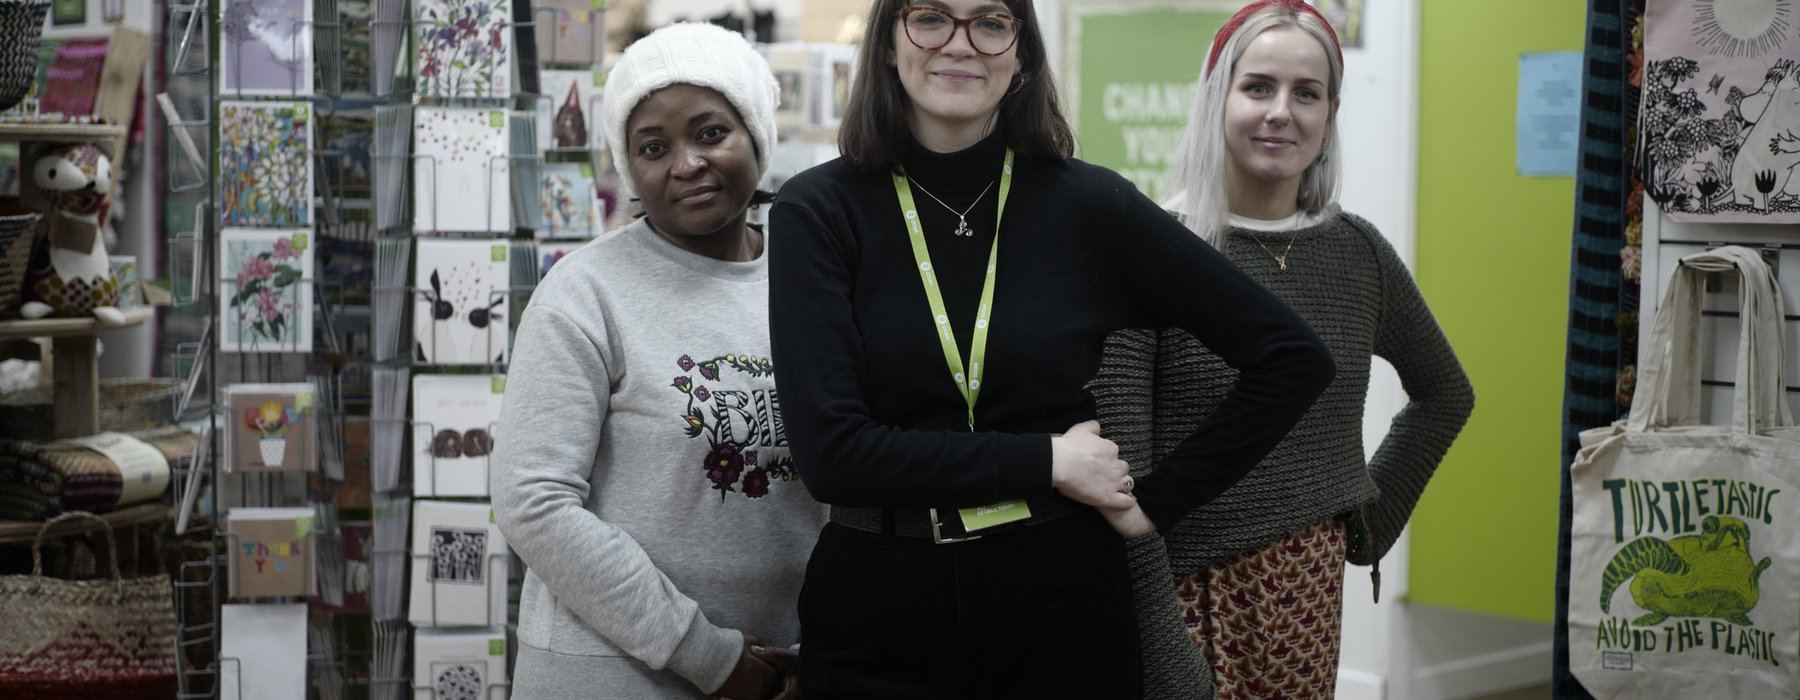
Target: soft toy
69 274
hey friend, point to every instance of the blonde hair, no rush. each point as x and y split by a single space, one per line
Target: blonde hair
1202 195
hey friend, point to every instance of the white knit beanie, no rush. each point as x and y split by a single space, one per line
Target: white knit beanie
699 54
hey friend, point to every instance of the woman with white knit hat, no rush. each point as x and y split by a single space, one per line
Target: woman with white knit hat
654 502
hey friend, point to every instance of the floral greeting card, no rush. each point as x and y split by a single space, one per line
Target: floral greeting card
571 205
272 428
459 566
454 419
460 306
267 288
265 163
266 47
462 175
463 47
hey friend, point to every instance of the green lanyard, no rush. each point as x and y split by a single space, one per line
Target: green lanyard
969 384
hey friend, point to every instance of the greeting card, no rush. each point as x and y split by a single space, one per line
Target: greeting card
571 205
358 538
266 47
548 254
262 652
451 665
268 304
464 47
459 315
271 552
265 163
569 114
459 566
454 419
272 428
461 172
570 31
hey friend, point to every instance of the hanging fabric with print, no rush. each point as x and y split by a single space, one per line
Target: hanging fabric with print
1684 561
1719 125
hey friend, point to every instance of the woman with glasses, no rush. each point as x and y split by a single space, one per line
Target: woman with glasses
940 296
1256 575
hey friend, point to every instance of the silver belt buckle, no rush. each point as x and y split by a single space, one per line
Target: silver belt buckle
937 533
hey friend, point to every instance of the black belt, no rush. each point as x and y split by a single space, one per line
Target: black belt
947 528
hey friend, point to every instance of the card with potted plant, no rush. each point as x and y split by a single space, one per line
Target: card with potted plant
273 428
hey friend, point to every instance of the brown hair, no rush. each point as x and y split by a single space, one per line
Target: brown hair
874 129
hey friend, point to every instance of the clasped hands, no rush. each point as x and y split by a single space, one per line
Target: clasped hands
1086 468
762 673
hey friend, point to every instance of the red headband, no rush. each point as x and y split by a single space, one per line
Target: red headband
1238 19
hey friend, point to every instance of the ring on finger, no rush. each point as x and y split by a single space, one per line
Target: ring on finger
1127 484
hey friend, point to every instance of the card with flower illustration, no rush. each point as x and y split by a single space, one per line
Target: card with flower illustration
460 307
461 171
454 419
568 113
458 664
265 47
265 163
570 203
464 47
272 553
266 280
273 428
459 566
549 254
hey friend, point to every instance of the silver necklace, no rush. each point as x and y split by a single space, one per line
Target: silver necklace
962 217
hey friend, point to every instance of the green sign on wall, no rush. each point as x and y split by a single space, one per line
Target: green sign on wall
1132 70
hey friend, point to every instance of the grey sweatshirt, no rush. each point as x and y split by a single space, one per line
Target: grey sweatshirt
646 480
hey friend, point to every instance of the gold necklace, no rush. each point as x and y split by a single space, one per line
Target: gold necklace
1280 260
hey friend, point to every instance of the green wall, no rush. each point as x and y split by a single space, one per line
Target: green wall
1493 260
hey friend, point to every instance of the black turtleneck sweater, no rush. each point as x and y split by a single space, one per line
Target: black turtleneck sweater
868 406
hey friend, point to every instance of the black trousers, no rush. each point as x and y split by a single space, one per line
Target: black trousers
1042 612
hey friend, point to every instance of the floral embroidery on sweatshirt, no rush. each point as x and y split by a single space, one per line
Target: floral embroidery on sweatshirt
738 425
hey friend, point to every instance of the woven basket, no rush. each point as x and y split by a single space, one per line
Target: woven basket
16 232
125 404
107 638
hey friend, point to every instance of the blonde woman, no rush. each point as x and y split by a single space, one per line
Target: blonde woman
1257 571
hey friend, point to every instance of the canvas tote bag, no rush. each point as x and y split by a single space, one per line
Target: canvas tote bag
1684 572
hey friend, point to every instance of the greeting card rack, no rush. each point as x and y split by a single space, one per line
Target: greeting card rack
249 306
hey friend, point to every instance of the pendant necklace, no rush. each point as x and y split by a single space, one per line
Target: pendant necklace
1280 260
962 217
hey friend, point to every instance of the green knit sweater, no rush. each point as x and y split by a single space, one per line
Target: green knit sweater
1154 386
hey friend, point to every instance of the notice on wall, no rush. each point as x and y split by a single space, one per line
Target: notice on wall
1134 70
1549 113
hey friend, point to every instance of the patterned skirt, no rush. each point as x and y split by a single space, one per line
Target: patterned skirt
1269 620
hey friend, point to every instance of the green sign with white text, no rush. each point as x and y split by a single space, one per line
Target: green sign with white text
1133 71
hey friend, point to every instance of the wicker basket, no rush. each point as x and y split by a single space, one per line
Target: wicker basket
125 404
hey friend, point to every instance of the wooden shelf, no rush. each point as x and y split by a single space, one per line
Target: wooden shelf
75 372
15 532
66 327
74 133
